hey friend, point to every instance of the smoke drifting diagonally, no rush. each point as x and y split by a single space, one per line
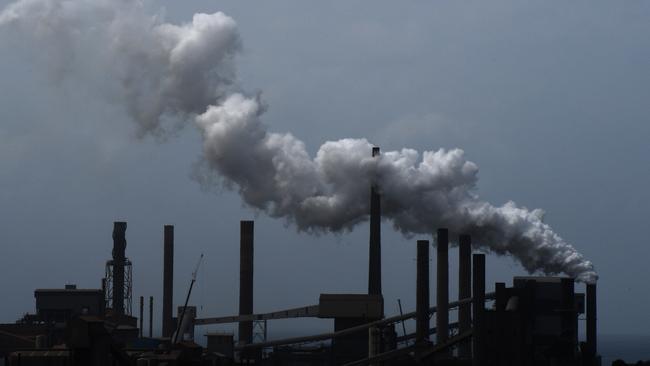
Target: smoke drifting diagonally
186 71
159 69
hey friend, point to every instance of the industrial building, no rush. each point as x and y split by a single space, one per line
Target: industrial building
532 322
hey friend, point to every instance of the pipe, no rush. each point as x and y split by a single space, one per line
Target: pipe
374 258
168 281
150 316
246 280
464 291
353 330
119 258
399 303
478 289
422 292
442 286
141 315
592 339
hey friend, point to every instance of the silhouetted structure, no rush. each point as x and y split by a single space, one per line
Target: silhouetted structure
464 292
168 281
532 323
422 292
349 311
246 280
442 286
141 316
61 305
535 322
478 310
374 257
118 283
222 343
150 316
119 259
592 334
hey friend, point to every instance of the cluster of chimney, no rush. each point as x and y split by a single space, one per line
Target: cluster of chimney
471 282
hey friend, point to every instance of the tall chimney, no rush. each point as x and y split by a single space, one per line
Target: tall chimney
442 286
150 316
119 258
246 280
168 282
464 291
478 289
422 293
374 259
141 316
592 336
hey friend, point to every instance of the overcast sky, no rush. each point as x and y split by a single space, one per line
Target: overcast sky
550 100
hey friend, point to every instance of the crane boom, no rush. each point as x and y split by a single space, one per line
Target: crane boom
187 299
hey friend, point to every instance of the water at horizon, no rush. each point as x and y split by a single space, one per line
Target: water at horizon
629 348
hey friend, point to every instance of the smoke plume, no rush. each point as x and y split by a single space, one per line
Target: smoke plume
156 69
186 72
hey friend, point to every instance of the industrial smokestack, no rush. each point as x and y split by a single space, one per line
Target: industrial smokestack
150 316
119 258
422 293
592 338
442 286
374 259
246 280
478 289
141 316
464 290
168 282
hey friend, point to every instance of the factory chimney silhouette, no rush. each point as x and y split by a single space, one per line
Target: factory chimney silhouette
168 282
374 259
119 259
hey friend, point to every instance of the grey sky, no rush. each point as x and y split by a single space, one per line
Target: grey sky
549 99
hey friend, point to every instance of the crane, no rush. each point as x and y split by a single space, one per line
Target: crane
187 299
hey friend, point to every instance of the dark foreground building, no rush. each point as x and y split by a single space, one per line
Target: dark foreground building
534 322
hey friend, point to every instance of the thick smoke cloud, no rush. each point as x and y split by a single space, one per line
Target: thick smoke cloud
187 71
155 69
273 172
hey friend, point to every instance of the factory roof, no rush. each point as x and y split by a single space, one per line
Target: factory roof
59 290
546 279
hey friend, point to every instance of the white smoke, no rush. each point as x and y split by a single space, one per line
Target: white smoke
187 71
159 69
274 172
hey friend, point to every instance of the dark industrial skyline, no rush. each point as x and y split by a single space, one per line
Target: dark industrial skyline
71 197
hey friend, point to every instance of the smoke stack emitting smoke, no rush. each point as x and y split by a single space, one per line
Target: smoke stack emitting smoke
187 73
